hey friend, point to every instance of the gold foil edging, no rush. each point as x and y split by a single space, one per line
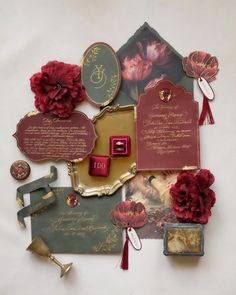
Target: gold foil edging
102 190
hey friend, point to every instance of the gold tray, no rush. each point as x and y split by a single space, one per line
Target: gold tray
112 120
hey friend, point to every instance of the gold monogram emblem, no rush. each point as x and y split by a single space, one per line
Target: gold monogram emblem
98 76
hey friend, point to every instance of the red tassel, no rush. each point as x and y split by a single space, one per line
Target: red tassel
206 116
125 255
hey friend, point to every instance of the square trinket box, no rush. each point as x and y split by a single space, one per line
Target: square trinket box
120 146
99 165
183 239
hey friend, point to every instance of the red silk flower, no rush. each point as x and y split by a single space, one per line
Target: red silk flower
136 68
192 197
201 64
129 214
57 88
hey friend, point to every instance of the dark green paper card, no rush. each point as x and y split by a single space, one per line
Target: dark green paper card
85 228
100 73
145 59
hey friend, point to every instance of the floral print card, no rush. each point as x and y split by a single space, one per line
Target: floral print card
146 59
152 190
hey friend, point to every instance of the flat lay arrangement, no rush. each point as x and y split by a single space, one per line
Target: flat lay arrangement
135 168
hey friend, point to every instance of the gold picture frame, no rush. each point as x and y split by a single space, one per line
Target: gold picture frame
112 120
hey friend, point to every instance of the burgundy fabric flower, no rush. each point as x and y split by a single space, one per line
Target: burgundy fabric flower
156 52
192 197
201 64
129 214
136 68
57 88
205 179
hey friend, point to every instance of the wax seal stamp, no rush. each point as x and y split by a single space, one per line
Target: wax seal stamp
72 200
20 170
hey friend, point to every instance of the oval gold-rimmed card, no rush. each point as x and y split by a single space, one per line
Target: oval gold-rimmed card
100 73
108 172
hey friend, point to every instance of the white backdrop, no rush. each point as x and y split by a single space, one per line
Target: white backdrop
32 32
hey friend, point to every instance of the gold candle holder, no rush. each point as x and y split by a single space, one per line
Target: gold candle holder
39 247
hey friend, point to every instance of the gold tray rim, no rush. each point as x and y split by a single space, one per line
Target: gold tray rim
108 189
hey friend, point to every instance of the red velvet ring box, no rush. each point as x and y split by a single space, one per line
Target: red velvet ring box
120 146
99 165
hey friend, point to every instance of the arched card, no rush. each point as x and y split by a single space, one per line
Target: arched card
167 129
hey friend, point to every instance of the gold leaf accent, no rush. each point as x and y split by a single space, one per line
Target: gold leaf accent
20 201
92 56
50 175
33 113
189 168
48 195
109 243
113 86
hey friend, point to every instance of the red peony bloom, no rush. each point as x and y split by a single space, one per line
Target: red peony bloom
129 214
136 68
205 178
192 197
57 88
156 52
201 64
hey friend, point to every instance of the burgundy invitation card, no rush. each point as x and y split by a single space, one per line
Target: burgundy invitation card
167 129
45 137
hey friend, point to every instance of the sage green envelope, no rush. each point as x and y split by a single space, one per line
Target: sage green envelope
129 55
85 228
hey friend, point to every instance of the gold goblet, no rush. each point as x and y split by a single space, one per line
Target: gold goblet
39 247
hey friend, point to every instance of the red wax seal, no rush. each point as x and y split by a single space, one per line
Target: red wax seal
99 165
72 200
20 170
